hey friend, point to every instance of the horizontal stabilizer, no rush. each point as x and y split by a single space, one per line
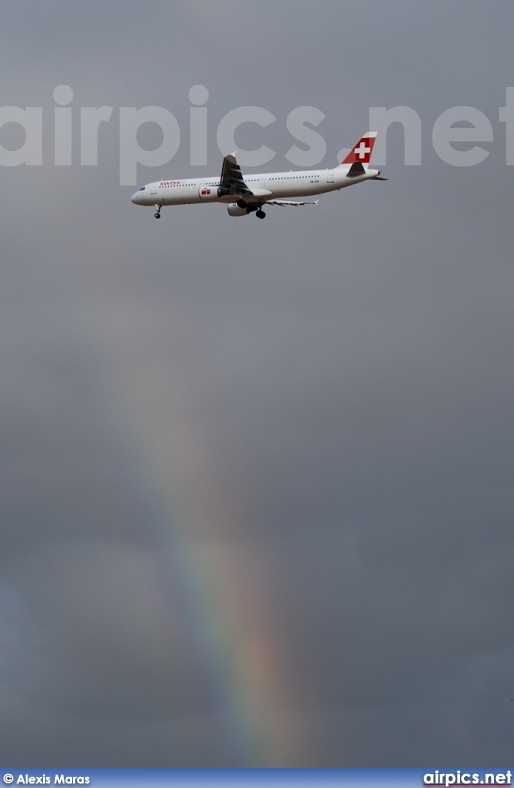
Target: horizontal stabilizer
355 170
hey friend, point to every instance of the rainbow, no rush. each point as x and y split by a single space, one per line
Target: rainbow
235 637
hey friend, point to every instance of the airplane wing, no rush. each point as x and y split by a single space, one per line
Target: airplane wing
291 202
232 181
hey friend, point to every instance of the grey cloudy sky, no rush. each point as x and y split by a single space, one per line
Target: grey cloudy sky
257 477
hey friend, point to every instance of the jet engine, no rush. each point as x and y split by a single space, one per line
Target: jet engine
234 210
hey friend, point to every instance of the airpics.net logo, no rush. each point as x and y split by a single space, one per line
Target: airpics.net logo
459 125
464 778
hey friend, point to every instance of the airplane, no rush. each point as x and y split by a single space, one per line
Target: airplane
248 194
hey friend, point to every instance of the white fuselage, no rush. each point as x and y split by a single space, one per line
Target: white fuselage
264 187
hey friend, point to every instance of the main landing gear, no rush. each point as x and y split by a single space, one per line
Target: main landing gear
251 208
158 212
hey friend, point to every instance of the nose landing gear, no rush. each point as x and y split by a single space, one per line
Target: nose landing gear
157 214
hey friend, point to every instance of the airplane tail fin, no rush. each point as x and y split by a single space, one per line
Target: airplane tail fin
361 153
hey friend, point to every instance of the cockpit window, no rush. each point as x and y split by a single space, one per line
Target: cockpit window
142 188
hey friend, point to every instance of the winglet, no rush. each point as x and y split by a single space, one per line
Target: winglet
363 150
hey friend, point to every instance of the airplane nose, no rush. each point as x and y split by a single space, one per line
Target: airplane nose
134 197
